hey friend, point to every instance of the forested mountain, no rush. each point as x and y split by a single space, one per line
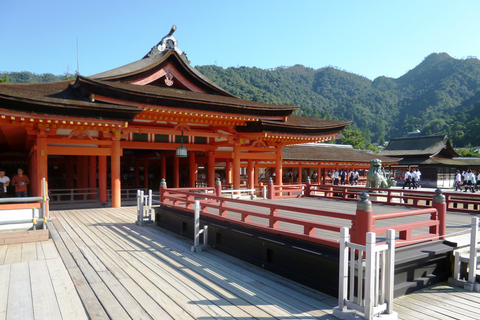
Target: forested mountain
439 96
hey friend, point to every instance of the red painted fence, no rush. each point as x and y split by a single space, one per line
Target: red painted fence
284 220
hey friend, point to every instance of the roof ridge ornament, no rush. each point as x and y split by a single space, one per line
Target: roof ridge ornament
167 43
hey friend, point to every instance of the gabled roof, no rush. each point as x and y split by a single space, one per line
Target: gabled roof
165 79
177 98
58 98
295 125
331 152
427 146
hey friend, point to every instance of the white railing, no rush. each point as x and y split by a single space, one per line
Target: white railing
73 195
144 207
21 216
197 231
470 258
239 192
372 294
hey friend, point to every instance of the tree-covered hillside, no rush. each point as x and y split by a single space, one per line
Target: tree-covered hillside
440 95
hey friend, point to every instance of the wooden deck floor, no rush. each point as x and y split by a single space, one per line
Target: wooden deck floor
127 271
124 271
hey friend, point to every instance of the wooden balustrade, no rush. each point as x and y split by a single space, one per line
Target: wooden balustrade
282 219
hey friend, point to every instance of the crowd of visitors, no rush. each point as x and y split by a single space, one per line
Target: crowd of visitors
468 180
19 181
412 179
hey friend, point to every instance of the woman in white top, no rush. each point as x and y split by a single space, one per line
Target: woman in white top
458 181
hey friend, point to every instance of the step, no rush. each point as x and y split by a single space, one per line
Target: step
12 237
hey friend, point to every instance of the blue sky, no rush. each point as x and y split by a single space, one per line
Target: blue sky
369 38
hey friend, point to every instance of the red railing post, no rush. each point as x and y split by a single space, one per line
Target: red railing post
218 188
271 189
441 206
363 219
163 189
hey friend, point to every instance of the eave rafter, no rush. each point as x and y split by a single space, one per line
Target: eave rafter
194 117
286 139
51 123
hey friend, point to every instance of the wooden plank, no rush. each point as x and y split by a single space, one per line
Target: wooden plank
254 287
4 287
45 304
89 299
61 247
19 304
113 308
150 302
68 300
29 251
428 306
14 254
229 286
3 253
144 299
171 300
39 250
49 250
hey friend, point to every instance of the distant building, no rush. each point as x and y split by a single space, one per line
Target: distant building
434 156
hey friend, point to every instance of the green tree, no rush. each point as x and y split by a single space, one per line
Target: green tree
354 138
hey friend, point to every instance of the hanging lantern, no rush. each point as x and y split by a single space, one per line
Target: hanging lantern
181 150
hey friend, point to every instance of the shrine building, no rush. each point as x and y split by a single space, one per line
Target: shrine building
154 118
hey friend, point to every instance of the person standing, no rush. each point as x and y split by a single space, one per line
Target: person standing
407 179
458 181
468 178
4 182
355 177
20 181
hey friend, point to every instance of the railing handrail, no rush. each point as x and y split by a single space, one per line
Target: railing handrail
400 214
218 203
362 221
325 213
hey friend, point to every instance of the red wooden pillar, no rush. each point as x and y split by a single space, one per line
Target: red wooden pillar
137 173
92 175
192 169
255 175
236 167
78 171
69 172
42 165
115 174
211 169
363 220
176 172
279 166
228 172
440 204
163 168
251 174
102 178
300 174
145 173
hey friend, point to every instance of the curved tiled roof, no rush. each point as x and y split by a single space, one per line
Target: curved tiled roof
296 125
426 146
331 152
178 98
58 98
